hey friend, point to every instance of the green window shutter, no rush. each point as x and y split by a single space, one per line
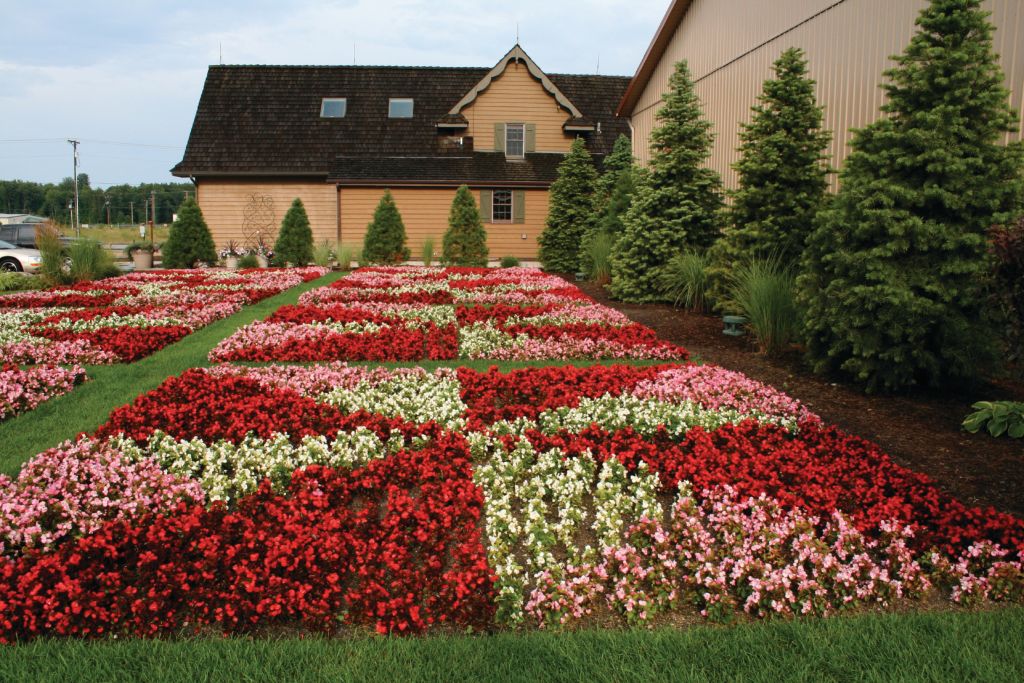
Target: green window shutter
531 137
518 206
499 137
485 206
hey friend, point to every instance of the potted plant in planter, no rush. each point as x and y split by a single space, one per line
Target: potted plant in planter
231 253
141 254
262 252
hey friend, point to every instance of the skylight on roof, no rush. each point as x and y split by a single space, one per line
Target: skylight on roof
333 108
399 108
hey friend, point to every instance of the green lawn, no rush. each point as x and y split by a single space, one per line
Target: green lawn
86 407
959 646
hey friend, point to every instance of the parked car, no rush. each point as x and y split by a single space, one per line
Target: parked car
20 234
14 259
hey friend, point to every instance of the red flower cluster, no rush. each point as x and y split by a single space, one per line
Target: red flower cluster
494 395
196 404
819 469
128 343
395 545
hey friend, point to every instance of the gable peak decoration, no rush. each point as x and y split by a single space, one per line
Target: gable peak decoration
517 54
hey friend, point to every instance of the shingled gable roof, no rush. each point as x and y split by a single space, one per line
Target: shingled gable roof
265 121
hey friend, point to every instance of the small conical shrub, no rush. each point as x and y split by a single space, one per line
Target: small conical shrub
465 241
295 240
190 241
385 235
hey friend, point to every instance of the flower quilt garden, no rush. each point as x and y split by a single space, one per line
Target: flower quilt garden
331 497
408 314
116 320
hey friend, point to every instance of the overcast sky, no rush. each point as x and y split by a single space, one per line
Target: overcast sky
131 72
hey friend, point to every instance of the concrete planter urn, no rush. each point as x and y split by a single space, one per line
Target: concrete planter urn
231 262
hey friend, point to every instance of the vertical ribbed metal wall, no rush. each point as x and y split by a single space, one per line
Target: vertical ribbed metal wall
731 45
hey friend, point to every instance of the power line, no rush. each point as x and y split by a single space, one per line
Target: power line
95 142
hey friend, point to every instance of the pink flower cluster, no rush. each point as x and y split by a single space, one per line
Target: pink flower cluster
23 390
75 488
716 388
726 553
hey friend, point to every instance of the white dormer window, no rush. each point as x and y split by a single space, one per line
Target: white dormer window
515 140
399 108
333 108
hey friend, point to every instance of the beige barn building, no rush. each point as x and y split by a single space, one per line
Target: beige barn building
338 136
730 46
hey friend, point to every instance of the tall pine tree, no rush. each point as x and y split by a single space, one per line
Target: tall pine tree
189 241
782 177
895 270
295 240
385 240
676 206
612 194
570 210
465 241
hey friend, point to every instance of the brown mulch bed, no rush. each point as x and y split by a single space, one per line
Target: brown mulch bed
921 431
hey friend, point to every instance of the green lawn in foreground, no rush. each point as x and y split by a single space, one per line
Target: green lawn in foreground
910 647
87 406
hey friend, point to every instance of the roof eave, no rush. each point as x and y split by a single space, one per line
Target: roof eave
384 182
662 37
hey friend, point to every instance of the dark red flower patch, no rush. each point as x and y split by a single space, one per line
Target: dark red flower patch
128 343
494 395
394 546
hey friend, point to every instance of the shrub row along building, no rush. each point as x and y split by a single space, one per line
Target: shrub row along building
338 136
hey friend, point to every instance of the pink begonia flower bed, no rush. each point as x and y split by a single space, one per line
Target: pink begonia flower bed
22 390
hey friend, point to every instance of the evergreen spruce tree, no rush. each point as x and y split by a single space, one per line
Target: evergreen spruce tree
570 210
615 164
295 240
612 195
895 269
465 241
676 206
782 177
385 240
189 241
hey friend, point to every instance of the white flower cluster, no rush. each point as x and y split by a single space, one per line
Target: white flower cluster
227 471
646 416
14 324
541 508
416 398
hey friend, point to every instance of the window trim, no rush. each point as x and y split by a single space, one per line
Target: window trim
394 100
522 140
511 206
323 105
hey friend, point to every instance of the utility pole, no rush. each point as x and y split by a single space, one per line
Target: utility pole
106 202
78 216
152 232
131 212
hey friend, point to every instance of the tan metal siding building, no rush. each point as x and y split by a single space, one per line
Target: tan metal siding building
730 46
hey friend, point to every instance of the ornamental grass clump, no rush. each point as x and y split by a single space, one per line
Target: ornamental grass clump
90 261
684 280
323 253
598 257
765 292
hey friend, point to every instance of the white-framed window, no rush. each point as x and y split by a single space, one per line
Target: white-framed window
515 140
501 206
400 108
333 107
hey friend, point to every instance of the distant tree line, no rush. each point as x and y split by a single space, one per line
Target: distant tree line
51 200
